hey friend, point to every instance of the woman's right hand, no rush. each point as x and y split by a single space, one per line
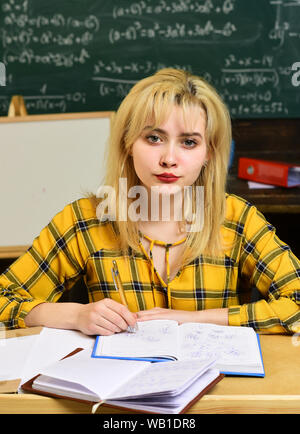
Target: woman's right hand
104 317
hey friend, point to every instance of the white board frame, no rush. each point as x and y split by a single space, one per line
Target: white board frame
42 168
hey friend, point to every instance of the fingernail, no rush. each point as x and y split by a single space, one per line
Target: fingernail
132 329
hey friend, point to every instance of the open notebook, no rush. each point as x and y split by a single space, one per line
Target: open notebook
235 349
170 387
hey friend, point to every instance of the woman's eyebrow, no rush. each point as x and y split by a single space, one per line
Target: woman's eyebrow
161 131
150 127
195 133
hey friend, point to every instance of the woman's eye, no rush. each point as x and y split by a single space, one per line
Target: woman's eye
189 143
153 139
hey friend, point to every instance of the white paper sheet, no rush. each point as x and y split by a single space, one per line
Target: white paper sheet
13 354
52 345
258 185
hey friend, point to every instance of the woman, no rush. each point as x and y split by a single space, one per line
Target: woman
171 135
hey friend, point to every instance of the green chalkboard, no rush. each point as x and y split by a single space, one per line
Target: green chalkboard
84 55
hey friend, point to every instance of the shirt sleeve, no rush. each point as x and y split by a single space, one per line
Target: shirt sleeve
50 266
269 265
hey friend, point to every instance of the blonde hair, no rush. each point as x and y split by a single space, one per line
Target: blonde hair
153 98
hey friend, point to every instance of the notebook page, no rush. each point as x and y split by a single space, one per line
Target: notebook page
161 378
64 388
228 345
101 376
153 338
171 404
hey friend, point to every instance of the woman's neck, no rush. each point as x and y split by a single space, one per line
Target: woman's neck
164 208
168 232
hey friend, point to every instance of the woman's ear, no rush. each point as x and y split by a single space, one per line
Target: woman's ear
130 151
207 158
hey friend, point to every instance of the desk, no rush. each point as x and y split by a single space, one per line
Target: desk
276 200
278 392
266 139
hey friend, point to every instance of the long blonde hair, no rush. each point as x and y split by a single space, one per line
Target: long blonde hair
152 98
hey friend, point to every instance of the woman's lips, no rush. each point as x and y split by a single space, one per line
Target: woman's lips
167 177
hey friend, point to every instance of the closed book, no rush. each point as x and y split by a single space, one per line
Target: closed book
269 172
170 387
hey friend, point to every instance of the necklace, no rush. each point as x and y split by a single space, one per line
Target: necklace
150 257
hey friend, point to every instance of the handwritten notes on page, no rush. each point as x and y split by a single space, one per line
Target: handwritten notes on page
163 377
153 338
228 345
235 349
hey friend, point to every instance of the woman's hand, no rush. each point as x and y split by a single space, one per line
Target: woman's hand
104 317
180 316
215 316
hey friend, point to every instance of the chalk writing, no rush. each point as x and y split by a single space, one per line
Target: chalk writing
57 20
170 31
60 60
146 66
147 7
98 50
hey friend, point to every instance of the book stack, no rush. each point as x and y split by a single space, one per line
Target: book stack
269 172
162 368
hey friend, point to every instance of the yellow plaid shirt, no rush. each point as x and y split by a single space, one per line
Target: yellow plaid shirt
75 244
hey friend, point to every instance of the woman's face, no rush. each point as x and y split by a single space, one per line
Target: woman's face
171 156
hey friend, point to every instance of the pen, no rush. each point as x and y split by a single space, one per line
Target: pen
119 287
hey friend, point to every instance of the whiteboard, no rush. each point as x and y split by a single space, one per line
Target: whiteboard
45 164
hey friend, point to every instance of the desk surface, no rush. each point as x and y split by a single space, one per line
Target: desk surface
276 200
278 392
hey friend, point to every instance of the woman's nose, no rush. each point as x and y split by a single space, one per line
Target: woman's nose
168 157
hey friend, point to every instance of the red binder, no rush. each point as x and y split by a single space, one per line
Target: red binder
269 172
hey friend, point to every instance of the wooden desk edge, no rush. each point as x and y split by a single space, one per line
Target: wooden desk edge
15 333
221 404
7 252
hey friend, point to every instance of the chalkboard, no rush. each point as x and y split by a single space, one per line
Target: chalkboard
76 56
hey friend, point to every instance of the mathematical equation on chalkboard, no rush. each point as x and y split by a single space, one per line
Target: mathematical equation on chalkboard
70 57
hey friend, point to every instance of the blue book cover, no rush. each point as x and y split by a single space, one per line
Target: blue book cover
230 369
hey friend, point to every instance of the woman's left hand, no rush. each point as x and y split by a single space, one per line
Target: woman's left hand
214 316
180 316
